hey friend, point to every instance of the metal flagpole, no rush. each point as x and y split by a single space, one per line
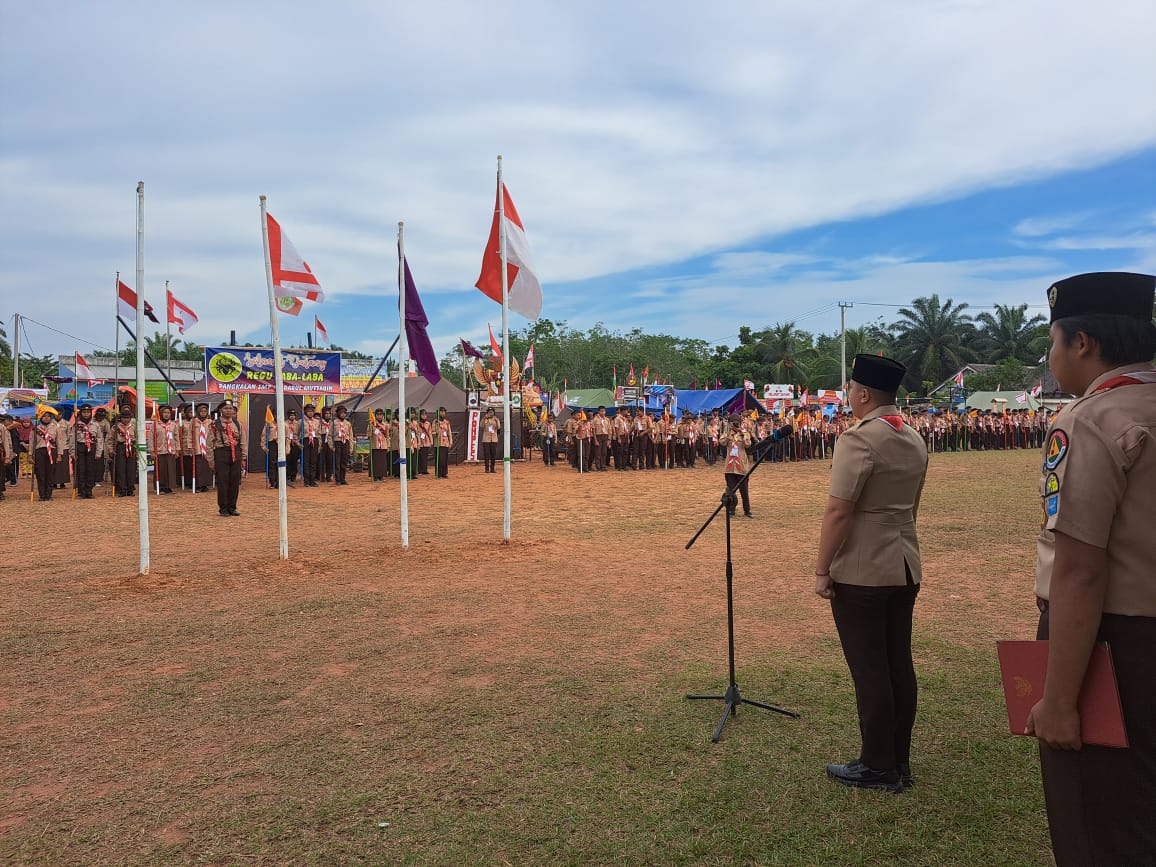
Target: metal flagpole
168 334
141 444
505 360
279 399
116 363
403 356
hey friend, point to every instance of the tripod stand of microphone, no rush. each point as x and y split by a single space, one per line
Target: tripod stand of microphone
732 698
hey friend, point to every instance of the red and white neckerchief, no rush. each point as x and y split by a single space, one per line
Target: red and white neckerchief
168 426
341 431
1140 377
125 430
734 461
87 435
232 440
50 445
894 420
311 429
202 439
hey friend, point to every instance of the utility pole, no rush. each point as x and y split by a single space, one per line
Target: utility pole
16 350
843 305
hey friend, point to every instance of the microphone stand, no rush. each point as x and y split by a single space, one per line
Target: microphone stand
732 698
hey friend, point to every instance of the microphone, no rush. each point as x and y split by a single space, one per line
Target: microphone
780 434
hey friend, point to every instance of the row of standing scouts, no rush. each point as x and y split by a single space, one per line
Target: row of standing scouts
640 439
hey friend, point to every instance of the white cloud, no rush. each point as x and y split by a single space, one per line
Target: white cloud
632 139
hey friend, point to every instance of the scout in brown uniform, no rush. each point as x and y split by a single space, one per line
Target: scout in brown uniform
869 567
43 448
1096 571
86 442
6 453
620 437
124 461
548 431
424 444
203 458
326 464
443 441
186 439
310 446
342 446
271 446
491 428
291 442
735 442
104 468
380 443
600 427
228 444
165 447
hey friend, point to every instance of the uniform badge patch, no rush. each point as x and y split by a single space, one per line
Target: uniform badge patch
1057 448
1052 505
1051 484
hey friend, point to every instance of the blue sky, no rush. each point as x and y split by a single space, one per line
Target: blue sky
679 168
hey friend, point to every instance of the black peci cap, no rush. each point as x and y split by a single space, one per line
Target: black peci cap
1116 293
875 371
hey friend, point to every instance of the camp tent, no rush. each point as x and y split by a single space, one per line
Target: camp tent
1019 399
418 393
589 398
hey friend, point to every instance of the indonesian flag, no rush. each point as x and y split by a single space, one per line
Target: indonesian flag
1037 390
322 334
494 345
804 397
84 372
180 314
293 280
126 304
523 287
530 358
748 385
562 398
959 379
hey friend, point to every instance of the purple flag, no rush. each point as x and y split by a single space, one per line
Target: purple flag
470 350
420 349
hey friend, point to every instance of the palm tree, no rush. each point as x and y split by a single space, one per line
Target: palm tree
786 351
1010 334
931 339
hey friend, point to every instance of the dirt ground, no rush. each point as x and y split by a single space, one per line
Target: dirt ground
134 706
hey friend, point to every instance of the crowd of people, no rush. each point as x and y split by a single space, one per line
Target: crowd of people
635 438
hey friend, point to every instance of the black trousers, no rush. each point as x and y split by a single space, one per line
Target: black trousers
423 460
228 478
271 468
732 479
379 463
325 465
1101 800
442 461
311 452
187 471
874 625
88 470
548 451
292 463
43 470
341 461
124 472
490 456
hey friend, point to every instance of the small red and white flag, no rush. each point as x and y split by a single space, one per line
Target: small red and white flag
530 357
748 385
180 314
562 398
1037 390
84 372
959 379
322 334
494 345
804 397
126 304
1022 397
293 279
524 291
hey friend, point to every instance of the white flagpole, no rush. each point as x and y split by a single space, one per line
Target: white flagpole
142 465
279 399
116 363
505 362
403 356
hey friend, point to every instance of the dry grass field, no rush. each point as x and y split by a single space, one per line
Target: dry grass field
469 702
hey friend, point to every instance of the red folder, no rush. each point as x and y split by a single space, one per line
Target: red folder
1023 666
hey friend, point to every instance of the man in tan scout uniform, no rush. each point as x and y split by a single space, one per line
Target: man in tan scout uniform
869 567
1096 569
735 442
229 445
600 427
86 442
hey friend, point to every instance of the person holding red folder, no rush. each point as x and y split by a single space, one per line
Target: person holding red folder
1096 568
869 567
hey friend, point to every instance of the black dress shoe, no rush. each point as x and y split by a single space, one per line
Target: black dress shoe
234 513
859 776
748 515
905 776
225 513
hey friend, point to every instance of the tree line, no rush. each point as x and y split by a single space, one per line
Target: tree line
935 338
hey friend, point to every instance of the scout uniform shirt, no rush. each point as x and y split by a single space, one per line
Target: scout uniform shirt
443 434
735 443
490 428
880 465
124 438
1099 485
45 436
166 438
219 438
90 436
342 431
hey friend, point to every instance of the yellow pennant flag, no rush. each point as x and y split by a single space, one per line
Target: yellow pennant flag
269 418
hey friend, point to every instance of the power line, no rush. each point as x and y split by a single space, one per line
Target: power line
24 319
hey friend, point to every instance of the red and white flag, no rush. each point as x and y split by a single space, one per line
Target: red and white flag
530 357
1037 390
84 372
180 314
1022 397
524 291
804 397
562 398
126 304
293 279
322 334
494 344
959 379
748 385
